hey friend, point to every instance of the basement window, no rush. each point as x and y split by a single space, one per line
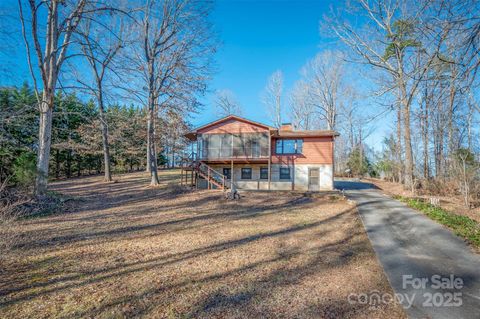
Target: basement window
284 172
227 172
246 173
263 172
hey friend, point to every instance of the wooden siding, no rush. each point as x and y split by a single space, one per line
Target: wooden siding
232 126
316 150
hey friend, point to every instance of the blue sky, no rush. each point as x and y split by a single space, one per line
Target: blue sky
260 37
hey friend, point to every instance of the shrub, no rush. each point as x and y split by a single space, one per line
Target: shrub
437 187
24 168
358 164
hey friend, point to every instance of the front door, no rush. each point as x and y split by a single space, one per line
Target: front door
313 179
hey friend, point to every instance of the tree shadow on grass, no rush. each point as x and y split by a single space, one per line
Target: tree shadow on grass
140 266
245 299
228 212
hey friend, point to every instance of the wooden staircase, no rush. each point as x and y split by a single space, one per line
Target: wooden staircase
193 169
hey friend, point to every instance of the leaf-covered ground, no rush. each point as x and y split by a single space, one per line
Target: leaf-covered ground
127 250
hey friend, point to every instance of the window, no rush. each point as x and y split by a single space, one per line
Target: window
246 173
263 172
228 173
284 172
299 146
289 146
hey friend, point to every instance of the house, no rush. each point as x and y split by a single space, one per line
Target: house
237 152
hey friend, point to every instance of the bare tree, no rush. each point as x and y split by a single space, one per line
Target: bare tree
394 42
62 19
100 45
302 111
226 103
467 170
324 75
272 97
170 62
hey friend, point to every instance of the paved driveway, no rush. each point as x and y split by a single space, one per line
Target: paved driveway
412 248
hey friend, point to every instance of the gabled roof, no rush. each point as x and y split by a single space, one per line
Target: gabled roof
276 132
192 134
234 117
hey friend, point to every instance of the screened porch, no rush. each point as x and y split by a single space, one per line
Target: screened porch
213 147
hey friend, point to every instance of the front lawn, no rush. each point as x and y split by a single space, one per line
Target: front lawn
127 250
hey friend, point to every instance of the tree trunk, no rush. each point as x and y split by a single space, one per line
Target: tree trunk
407 137
469 127
69 164
439 140
104 126
148 149
44 142
408 150
151 147
151 155
399 145
57 163
451 104
426 168
79 166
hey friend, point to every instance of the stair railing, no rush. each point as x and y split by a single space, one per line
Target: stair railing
212 174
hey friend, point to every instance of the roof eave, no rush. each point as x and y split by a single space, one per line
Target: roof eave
233 117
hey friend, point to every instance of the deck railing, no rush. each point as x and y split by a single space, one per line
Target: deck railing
235 152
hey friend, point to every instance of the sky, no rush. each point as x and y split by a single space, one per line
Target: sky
260 37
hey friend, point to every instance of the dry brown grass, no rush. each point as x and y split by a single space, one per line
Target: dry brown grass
126 250
11 207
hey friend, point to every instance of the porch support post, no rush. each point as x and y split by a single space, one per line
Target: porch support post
232 173
269 159
198 148
208 178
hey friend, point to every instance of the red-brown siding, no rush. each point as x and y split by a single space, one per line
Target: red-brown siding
232 126
316 150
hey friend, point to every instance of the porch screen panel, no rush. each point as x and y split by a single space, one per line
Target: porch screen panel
226 150
214 145
242 145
